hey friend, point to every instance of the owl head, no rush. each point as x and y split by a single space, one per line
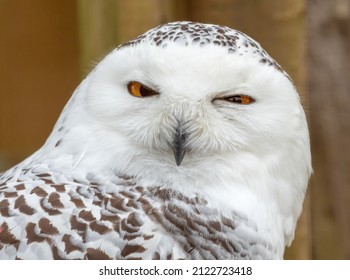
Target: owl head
186 91
191 105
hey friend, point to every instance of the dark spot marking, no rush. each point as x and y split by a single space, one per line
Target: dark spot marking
56 253
23 207
129 236
58 143
99 228
54 200
6 237
50 211
118 203
228 222
132 203
77 201
4 208
59 187
127 227
47 181
43 175
215 225
39 192
134 220
139 189
20 187
146 206
147 237
32 236
111 218
156 256
68 244
128 195
46 227
130 249
10 194
180 223
96 254
76 225
86 215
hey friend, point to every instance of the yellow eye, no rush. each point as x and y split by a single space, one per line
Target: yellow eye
244 99
139 90
239 98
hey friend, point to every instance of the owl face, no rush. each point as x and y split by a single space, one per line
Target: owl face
188 102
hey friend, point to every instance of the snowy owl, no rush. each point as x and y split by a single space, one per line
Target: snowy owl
188 142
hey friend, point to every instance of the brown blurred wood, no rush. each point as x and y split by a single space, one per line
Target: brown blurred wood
329 53
38 72
137 16
105 24
211 11
175 10
97 22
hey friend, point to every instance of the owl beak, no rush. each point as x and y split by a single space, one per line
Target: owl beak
179 144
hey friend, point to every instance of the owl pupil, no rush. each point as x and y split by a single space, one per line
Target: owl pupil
144 91
236 99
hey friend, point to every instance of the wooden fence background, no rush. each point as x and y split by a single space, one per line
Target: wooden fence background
46 47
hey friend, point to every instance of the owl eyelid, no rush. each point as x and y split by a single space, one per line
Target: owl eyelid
237 98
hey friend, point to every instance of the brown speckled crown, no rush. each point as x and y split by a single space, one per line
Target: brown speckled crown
198 34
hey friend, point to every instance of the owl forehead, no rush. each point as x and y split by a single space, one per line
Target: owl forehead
197 34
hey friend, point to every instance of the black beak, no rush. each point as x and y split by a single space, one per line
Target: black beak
179 144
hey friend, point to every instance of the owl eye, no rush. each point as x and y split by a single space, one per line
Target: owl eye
139 90
238 98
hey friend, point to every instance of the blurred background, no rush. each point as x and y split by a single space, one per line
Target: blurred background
47 47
